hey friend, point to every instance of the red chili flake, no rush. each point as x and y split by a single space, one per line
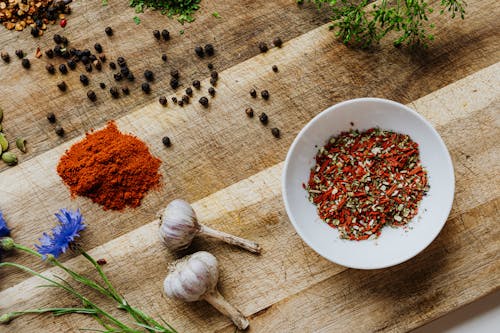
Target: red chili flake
365 180
63 23
101 262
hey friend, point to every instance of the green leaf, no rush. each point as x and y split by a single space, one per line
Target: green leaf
137 20
104 2
216 15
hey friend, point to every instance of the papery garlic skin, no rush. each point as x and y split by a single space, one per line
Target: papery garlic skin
192 277
179 225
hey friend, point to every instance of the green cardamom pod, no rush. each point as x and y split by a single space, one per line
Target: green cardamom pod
3 142
21 144
9 158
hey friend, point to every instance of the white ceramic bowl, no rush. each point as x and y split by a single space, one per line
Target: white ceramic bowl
394 245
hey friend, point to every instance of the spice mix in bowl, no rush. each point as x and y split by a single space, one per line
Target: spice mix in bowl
368 183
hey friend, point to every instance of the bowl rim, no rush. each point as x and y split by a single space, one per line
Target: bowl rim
446 157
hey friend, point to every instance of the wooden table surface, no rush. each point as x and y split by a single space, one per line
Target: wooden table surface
229 166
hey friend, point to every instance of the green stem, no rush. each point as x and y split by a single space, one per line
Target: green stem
70 290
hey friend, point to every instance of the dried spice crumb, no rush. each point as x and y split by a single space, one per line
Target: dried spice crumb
363 181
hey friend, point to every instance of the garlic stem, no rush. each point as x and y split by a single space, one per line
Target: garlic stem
231 239
217 300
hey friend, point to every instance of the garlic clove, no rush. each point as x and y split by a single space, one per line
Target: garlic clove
179 225
195 278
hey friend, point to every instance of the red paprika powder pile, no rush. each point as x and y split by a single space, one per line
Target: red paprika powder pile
113 169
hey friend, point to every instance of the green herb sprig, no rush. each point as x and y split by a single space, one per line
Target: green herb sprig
182 9
358 23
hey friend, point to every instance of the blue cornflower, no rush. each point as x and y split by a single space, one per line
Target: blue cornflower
70 224
4 230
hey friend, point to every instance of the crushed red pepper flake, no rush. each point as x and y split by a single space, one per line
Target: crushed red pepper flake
363 181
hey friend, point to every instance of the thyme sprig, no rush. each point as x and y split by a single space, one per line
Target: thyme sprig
182 9
358 23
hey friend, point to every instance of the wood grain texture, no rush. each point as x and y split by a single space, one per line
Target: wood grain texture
300 290
230 167
215 148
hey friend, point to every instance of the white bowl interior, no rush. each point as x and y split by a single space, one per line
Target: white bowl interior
394 245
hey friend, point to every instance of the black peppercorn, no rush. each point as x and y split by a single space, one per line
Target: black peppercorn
185 99
102 85
130 77
276 132
125 90
86 53
72 51
26 63
57 50
249 112
65 54
108 31
209 50
162 100
62 86
118 76
174 83
121 61
156 33
263 47
189 91
180 103
204 101
71 64
49 53
64 40
112 65
63 69
98 47
196 84
174 73
59 130
88 68
57 39
39 23
275 68
166 141
97 64
211 91
164 57
253 93
214 75
125 71
102 57
265 94
114 92
92 58
35 32
51 117
199 51
165 34
213 81
277 42
174 100
50 68
85 60
5 56
84 79
91 95
146 88
19 54
149 75
263 118
210 66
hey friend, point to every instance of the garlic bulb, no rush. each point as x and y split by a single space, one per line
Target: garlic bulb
179 226
194 278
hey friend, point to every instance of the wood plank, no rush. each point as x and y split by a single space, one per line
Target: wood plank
459 267
215 148
28 97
